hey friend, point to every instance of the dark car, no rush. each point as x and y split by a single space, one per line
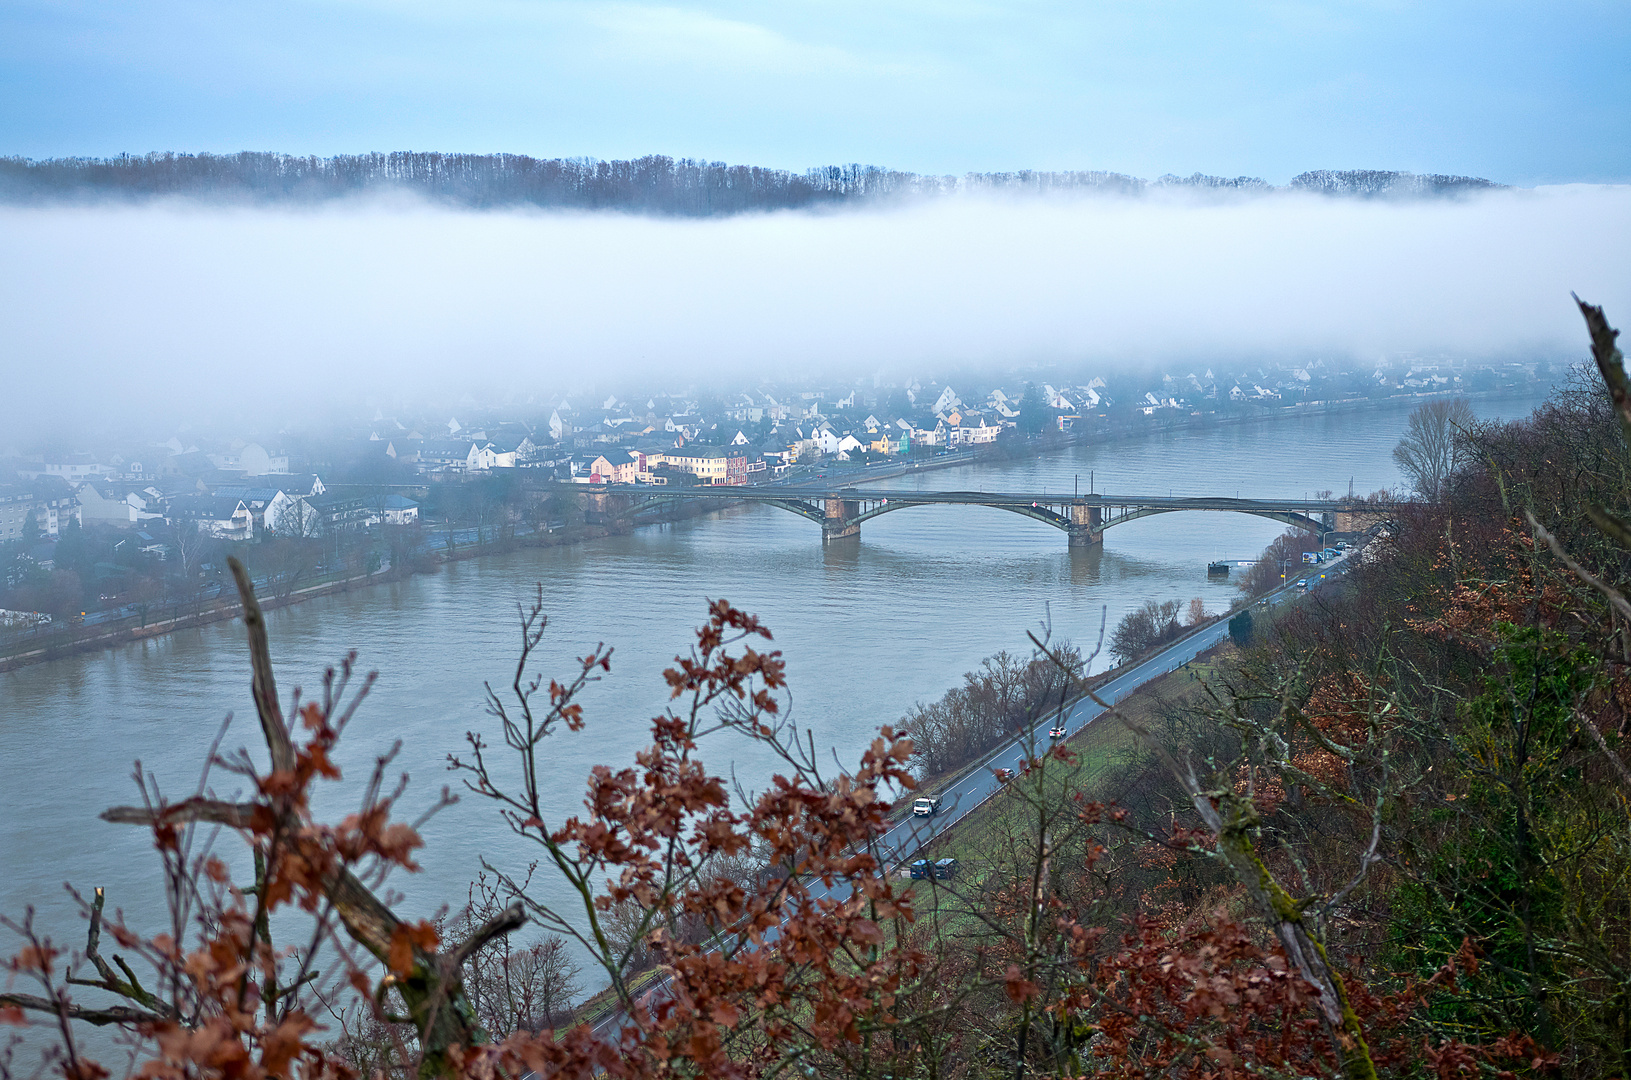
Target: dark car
944 868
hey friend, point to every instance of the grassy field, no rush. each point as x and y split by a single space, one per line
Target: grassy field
1106 752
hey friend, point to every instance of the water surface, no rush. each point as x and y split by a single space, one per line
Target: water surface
867 629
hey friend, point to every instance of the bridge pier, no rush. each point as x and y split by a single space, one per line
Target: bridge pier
1086 528
604 507
840 523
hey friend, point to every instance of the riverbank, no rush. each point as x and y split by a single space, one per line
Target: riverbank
61 639
947 782
218 603
54 641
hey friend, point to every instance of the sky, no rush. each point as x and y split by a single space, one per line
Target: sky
157 313
1518 92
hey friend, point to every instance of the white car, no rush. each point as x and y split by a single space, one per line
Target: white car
926 807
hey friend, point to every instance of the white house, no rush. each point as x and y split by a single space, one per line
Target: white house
223 518
486 456
930 437
254 460
288 512
74 467
974 431
400 510
113 506
290 515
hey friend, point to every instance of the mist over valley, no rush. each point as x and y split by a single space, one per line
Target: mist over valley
175 310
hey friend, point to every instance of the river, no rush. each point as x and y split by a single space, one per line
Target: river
867 629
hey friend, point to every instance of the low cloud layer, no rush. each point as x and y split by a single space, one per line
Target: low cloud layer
113 314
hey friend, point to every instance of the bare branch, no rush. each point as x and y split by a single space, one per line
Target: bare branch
1610 362
264 685
507 921
233 815
113 1014
1613 595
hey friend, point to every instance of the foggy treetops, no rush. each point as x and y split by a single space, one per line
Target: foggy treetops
654 184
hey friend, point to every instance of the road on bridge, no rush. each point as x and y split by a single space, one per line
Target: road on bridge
776 493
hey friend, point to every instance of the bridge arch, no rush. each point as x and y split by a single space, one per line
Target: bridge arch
816 514
1036 513
1289 517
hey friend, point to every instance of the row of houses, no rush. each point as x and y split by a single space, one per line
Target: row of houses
293 505
741 457
243 511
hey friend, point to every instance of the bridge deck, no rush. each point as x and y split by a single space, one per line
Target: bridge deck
979 498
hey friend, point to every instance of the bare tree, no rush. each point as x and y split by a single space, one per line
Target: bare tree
189 541
515 986
1433 447
289 563
1153 624
299 521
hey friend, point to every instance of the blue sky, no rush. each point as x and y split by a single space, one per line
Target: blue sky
1524 93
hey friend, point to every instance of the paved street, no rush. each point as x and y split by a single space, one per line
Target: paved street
902 843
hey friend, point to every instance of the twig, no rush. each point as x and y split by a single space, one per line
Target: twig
1614 596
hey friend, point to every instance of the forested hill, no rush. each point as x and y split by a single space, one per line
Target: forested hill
652 185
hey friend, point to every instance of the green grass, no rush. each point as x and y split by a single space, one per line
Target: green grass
1106 752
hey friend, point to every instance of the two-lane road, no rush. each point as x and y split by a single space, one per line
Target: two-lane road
903 842
971 790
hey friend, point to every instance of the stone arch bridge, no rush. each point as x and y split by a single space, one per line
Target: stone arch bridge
1082 518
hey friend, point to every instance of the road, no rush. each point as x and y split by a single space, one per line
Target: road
903 842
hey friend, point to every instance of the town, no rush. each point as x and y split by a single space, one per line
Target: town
106 534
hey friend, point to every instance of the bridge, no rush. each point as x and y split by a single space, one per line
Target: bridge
1082 518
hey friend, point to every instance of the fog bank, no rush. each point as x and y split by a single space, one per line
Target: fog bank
113 313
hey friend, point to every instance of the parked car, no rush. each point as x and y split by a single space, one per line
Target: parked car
1057 732
923 868
928 806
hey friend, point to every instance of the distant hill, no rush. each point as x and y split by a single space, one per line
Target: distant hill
649 185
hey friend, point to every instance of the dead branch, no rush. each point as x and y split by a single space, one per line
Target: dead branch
507 921
113 1014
